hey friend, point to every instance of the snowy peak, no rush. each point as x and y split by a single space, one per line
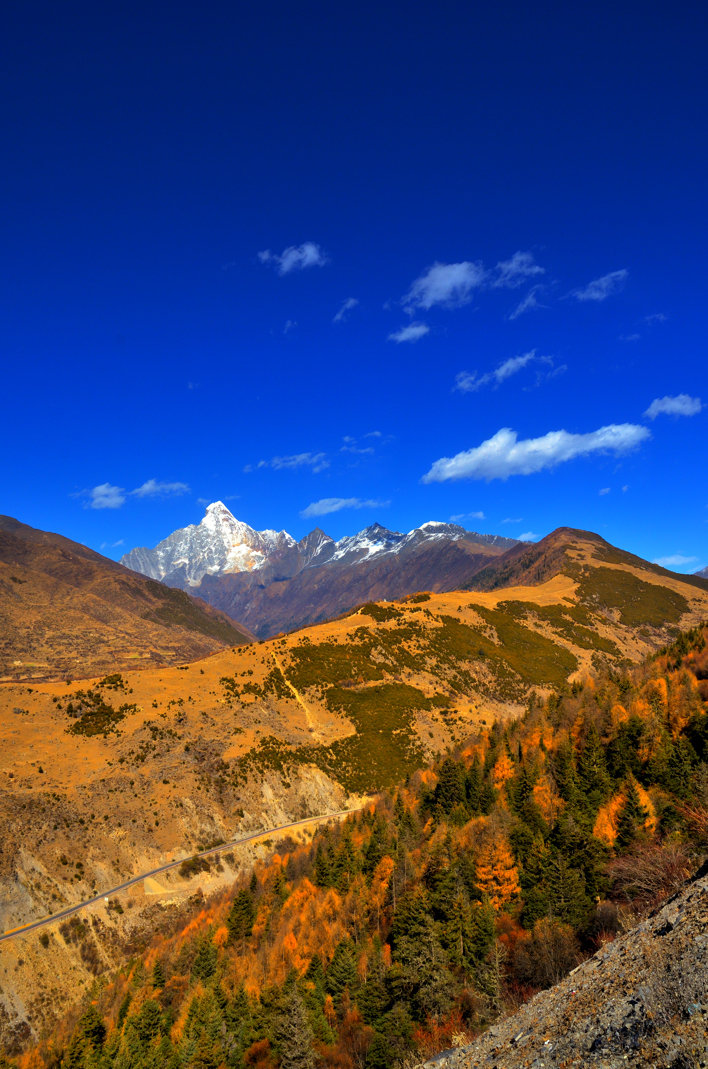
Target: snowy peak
222 545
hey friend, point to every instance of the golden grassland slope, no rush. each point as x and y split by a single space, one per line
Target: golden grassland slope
66 611
107 778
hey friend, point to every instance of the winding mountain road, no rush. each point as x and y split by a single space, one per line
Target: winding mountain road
33 926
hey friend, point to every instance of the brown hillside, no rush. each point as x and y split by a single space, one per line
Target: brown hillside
66 611
318 594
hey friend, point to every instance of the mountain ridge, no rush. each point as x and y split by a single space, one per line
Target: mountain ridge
274 584
67 610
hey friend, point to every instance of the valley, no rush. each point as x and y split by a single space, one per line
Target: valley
113 776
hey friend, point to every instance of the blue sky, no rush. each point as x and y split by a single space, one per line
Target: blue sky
337 266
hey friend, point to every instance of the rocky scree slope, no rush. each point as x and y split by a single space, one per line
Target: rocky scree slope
67 611
641 1000
272 583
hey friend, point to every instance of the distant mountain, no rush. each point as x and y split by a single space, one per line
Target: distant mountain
703 572
565 551
273 583
67 611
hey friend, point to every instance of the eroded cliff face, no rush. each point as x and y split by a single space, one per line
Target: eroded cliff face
641 1001
45 972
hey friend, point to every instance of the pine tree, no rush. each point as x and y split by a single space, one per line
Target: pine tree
593 777
342 974
293 1035
241 917
158 974
632 817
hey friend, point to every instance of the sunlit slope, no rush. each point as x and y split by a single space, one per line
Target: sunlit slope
66 611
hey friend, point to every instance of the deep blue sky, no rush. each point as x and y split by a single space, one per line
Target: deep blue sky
153 151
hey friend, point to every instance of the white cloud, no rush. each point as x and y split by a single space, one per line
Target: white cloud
602 288
674 560
105 496
604 492
527 303
504 455
467 516
335 504
317 461
528 536
155 488
342 314
681 405
511 519
413 332
470 381
517 270
295 257
450 285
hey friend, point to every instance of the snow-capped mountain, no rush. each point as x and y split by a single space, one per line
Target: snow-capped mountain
235 567
220 544
703 572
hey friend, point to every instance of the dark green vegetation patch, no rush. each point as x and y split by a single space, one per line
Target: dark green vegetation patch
93 714
179 610
566 621
638 603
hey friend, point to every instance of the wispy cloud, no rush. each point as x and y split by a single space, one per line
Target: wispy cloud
345 309
449 285
290 324
316 461
654 318
295 257
104 496
528 536
470 381
513 519
680 405
328 505
675 560
352 445
514 272
113 545
460 516
604 491
503 454
155 488
630 337
527 303
413 332
602 288
107 496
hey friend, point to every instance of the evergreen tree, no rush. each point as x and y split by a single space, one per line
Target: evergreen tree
293 1035
241 917
158 974
341 974
631 818
593 778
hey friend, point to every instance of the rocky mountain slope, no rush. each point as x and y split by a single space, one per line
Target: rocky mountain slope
703 573
67 611
642 1000
272 583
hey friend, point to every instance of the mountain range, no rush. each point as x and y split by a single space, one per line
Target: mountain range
272 583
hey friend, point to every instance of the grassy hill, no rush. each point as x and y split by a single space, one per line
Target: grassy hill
66 611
